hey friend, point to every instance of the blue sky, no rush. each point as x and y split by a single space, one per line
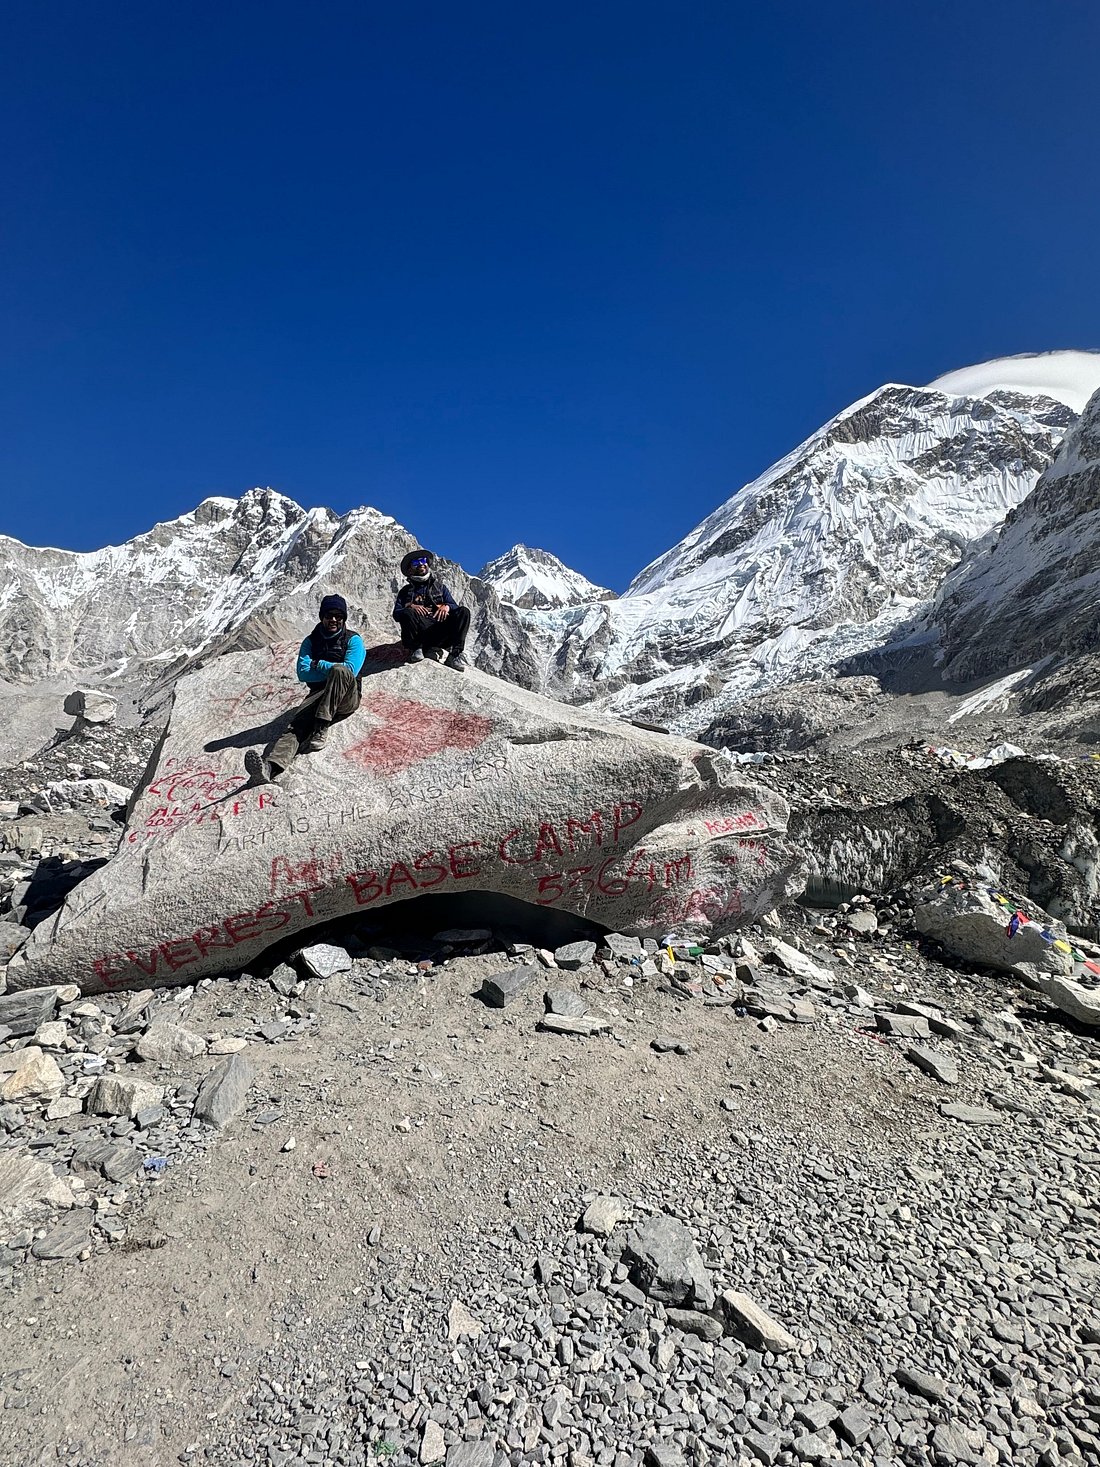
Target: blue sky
562 274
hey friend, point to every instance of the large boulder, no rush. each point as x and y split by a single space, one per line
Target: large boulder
91 705
968 921
29 1191
439 783
1081 1002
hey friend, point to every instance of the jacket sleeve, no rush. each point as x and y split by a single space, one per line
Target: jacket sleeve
448 599
357 654
399 604
307 672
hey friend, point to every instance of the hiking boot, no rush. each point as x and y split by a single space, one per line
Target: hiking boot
437 654
457 660
417 654
317 739
258 769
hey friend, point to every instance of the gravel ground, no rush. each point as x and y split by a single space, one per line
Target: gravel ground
96 751
264 1302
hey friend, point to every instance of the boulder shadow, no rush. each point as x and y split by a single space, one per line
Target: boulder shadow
1053 1017
407 928
53 879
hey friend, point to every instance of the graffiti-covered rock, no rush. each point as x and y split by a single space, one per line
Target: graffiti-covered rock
440 782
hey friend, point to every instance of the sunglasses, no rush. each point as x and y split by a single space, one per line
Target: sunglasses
419 564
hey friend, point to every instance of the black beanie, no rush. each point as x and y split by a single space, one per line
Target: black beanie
329 604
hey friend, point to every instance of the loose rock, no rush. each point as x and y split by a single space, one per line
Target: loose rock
504 988
744 1317
969 923
114 1096
68 1240
433 1447
324 960
921 1383
667 1264
603 1215
461 1324
973 1115
37 1079
1081 1003
562 1001
22 1013
940 1066
574 954
565 1024
472 1454
222 1095
902 1026
167 1042
28 1189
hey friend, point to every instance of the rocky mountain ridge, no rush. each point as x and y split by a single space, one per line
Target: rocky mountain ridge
825 566
231 574
1030 593
834 552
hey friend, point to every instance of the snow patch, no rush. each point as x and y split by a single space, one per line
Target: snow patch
994 697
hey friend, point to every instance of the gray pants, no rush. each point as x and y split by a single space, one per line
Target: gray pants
336 698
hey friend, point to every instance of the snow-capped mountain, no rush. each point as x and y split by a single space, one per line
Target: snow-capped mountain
231 573
833 554
536 580
829 554
1030 592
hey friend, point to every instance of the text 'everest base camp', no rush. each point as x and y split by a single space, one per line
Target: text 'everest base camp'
437 784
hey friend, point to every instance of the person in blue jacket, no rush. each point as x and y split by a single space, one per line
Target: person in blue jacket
330 660
431 620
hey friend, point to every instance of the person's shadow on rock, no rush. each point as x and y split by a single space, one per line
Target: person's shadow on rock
381 658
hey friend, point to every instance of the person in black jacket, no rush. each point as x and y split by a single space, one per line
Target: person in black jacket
431 620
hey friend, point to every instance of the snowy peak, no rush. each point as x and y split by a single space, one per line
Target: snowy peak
832 555
829 555
535 580
887 478
163 594
230 573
